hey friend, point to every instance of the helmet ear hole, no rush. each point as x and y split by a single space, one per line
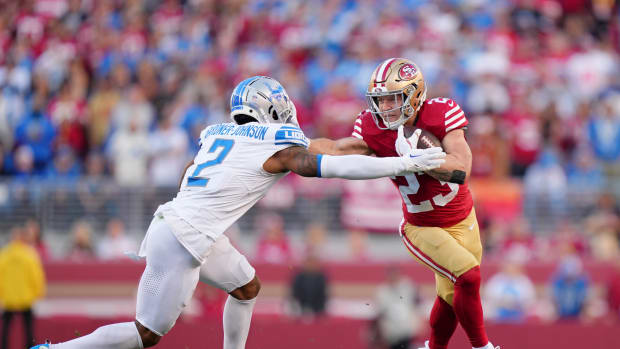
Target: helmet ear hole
241 119
273 113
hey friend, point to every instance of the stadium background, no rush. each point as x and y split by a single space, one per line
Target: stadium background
101 103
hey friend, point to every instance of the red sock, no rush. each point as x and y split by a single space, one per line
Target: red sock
443 323
468 307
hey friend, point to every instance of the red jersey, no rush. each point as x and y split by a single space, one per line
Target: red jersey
426 200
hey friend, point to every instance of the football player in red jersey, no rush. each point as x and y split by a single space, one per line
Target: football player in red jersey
439 226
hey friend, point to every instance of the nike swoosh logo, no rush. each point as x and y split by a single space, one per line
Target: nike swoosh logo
471 227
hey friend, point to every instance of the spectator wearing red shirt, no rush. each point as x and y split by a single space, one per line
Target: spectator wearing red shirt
28 23
523 130
168 17
66 112
519 242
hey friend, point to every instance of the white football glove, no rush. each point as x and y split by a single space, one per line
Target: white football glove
404 145
418 160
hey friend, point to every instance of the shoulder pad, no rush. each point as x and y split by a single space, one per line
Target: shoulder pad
289 134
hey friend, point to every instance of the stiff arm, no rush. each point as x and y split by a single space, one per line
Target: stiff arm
458 158
301 161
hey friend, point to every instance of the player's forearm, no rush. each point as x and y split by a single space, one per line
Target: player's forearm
343 146
454 170
359 166
323 146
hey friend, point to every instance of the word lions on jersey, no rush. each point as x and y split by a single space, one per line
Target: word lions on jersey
226 180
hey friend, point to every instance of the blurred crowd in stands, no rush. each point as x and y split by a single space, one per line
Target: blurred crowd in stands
136 80
119 90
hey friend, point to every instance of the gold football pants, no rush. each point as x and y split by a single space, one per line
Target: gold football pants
448 252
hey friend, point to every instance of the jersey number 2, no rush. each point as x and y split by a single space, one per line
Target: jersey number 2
225 145
424 206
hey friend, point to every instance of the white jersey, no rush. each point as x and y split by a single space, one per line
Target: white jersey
226 180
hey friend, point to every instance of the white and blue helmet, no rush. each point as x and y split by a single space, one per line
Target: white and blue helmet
264 99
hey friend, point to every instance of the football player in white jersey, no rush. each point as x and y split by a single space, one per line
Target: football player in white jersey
236 164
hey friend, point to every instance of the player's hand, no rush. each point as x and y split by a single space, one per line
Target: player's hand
403 144
420 160
417 160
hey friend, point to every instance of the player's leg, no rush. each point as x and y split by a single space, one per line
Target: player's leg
466 300
7 317
229 270
28 326
438 250
443 320
166 285
238 314
121 335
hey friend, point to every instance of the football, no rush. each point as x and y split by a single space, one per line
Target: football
426 140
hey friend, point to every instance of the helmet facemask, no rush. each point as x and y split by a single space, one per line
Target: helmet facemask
280 109
394 117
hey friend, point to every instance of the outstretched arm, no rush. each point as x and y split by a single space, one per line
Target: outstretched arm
457 167
296 159
302 162
342 146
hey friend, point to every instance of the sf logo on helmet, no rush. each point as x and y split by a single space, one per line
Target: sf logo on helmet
407 72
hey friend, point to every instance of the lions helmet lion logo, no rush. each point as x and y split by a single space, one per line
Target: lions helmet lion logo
407 72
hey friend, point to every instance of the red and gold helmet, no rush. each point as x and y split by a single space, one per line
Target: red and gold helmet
402 80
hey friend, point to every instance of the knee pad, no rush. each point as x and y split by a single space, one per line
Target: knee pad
225 267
